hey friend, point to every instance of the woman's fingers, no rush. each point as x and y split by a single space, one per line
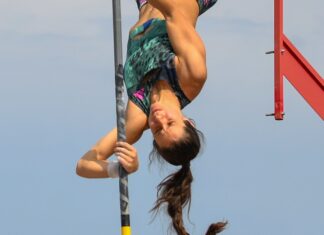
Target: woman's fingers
127 156
129 166
118 150
126 165
125 145
126 149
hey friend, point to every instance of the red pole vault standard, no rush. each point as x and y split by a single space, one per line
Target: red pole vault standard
289 62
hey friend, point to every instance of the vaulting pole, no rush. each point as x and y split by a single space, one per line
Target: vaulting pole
120 110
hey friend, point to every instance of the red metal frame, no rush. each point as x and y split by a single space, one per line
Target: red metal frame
289 62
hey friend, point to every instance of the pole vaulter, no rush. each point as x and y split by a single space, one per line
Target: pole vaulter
155 104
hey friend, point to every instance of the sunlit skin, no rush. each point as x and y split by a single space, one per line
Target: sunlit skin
165 120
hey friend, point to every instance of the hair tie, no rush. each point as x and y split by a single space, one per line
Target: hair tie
186 165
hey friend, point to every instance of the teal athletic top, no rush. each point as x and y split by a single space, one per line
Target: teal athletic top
149 59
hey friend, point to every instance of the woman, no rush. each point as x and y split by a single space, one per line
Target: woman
165 69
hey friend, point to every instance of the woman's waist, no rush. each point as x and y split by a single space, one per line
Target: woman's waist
146 13
138 67
150 28
142 21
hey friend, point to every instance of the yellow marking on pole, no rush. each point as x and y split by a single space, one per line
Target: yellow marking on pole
126 230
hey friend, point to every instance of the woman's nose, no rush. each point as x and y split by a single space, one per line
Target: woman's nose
159 115
160 118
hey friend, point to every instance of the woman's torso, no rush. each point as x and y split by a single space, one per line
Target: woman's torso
150 58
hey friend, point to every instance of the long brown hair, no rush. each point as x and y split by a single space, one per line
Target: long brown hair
175 189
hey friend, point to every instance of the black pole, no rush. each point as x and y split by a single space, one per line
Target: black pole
120 110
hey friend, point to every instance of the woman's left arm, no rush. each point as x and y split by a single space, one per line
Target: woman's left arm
94 163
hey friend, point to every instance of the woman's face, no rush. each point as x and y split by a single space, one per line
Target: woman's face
166 123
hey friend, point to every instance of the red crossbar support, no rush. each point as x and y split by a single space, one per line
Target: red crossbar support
290 63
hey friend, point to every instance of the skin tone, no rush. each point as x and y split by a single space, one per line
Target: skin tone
166 119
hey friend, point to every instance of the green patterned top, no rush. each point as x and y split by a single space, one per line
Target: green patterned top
149 50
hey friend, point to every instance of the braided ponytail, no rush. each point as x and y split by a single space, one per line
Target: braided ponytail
175 190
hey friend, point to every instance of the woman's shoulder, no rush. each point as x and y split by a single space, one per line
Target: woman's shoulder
191 80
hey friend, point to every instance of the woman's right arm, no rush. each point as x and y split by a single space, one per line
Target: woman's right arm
94 163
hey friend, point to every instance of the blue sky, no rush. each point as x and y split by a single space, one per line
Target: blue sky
57 99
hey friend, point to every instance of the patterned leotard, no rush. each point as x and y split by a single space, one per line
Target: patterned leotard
150 59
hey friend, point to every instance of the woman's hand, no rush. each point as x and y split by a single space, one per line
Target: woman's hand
127 156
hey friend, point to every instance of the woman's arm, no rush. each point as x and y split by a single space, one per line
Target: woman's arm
190 60
94 163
